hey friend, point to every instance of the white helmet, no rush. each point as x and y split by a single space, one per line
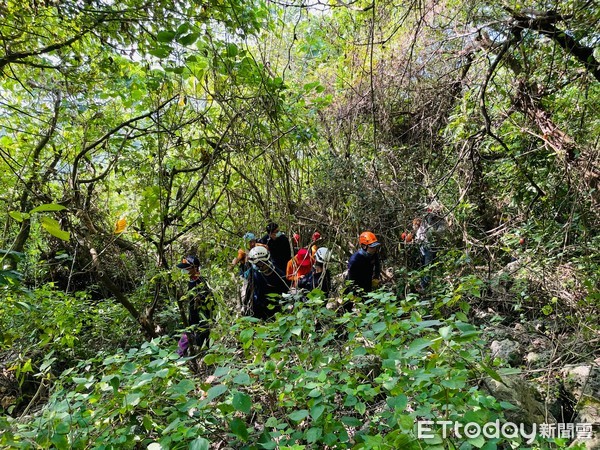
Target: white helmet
258 253
323 255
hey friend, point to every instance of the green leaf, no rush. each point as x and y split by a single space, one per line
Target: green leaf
242 378
351 421
316 392
199 444
148 423
299 415
60 440
132 399
238 427
406 422
478 441
53 227
309 86
183 387
316 411
272 422
63 428
242 402
232 50
188 39
509 371
246 335
417 345
165 36
216 391
445 332
160 52
379 327
398 403
19 217
48 207
491 372
313 434
456 382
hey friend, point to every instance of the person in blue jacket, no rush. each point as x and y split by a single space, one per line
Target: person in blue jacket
264 279
364 266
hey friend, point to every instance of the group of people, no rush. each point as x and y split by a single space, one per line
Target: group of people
271 266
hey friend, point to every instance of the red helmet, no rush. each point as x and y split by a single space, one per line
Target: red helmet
316 236
296 237
368 238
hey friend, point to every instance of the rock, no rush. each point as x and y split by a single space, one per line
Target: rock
538 359
523 396
590 444
583 382
507 350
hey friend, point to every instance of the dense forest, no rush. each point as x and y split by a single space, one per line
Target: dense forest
136 133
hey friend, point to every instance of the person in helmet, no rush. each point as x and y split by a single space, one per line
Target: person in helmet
200 308
240 261
364 266
264 279
298 267
278 245
319 277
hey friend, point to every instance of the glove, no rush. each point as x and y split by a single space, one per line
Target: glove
374 283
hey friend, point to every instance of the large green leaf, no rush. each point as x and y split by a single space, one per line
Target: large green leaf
48 207
160 52
242 402
199 444
238 427
216 391
165 36
299 415
53 227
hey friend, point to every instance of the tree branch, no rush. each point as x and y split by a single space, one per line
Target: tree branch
15 57
107 135
545 24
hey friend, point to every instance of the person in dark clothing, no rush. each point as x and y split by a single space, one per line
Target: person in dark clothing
364 266
278 245
319 277
264 279
200 307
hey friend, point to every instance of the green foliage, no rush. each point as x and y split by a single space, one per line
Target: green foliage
49 321
49 224
309 378
199 121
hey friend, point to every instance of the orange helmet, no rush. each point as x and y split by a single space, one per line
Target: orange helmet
367 238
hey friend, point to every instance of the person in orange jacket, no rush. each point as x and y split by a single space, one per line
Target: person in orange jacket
298 266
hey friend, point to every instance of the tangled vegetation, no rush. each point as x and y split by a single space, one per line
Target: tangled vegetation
135 132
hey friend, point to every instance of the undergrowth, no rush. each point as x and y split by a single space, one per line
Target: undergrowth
311 378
